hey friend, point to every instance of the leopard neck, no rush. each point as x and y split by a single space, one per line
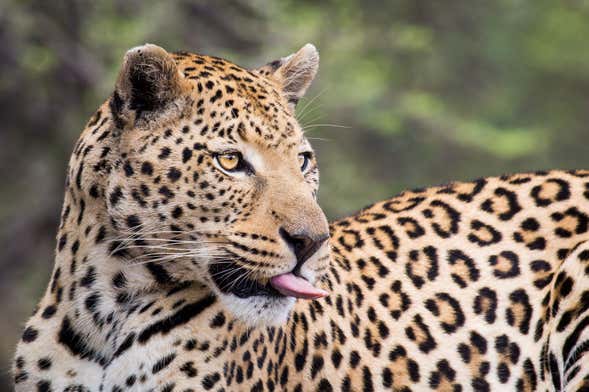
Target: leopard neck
94 289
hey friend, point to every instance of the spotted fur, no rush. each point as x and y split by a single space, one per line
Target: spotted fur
163 260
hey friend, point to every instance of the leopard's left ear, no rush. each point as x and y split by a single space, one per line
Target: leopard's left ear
148 81
294 73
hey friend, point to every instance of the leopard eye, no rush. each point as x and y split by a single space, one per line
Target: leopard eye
304 159
230 161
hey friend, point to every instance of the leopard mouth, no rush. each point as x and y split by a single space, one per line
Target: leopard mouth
231 278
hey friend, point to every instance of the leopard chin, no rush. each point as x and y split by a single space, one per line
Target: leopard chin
259 310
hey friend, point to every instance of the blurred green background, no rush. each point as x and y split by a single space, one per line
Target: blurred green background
410 93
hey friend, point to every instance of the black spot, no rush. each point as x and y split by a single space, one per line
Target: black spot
218 95
163 363
49 311
316 365
89 278
62 242
44 386
82 210
412 227
554 371
324 386
387 378
116 195
218 320
133 221
581 218
159 273
75 247
94 191
209 381
336 358
530 224
29 335
131 380
166 192
44 363
164 153
174 174
147 168
119 281
284 376
127 343
189 369
128 169
92 302
186 154
354 359
367 380
182 316
100 235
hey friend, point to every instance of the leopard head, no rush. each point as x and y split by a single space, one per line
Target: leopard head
214 180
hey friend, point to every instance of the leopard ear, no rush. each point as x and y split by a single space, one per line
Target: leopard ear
148 80
294 73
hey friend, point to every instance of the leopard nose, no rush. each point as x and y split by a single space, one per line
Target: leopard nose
304 244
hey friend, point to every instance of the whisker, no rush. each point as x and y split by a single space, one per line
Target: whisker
311 121
325 125
302 111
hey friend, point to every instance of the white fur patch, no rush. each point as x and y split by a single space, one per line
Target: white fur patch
259 310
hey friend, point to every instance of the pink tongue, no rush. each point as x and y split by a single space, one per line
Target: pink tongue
294 286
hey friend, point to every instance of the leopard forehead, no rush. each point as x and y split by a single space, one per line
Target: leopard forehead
234 103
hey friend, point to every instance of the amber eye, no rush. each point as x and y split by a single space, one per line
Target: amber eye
304 159
229 161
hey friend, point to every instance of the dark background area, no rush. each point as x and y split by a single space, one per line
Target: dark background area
410 93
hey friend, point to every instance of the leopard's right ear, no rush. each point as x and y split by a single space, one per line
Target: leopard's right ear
294 73
148 81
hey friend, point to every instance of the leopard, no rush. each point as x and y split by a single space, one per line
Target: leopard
192 255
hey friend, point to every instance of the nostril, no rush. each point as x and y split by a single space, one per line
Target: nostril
297 243
285 236
303 245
